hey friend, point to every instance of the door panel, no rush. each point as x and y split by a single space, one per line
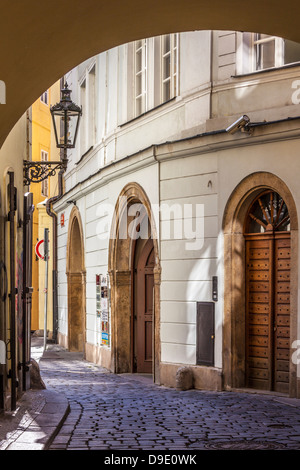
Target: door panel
144 309
282 314
258 301
268 311
76 338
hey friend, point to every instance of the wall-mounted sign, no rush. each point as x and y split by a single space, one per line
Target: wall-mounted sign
103 308
62 219
39 249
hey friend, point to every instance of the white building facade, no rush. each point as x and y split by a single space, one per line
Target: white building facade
178 240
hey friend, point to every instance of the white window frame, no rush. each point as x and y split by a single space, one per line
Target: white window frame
278 50
246 61
45 182
140 77
83 127
172 77
45 97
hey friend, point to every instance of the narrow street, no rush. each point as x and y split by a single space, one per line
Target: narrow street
123 412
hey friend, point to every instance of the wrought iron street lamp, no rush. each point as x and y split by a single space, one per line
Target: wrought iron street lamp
65 117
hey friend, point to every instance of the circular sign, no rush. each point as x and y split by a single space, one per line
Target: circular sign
39 249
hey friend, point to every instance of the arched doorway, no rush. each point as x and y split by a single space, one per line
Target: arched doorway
76 284
246 242
135 285
268 271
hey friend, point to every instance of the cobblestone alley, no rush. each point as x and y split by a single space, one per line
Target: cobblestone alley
118 412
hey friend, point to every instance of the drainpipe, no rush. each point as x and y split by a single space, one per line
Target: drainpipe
51 213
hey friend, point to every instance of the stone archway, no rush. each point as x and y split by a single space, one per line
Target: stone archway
234 275
121 252
93 27
76 283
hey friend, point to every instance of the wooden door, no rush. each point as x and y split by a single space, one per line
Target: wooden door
144 309
282 314
259 313
268 255
75 292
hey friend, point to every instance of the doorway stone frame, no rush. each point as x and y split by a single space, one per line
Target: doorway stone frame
234 276
119 268
72 273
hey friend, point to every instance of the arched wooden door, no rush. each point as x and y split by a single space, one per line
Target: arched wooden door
143 325
268 255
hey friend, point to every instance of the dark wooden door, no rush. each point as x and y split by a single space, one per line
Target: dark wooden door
259 310
144 309
268 255
268 311
76 335
282 313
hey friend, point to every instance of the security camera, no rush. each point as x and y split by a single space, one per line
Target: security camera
240 124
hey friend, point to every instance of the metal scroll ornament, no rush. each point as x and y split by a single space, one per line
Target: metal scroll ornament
35 172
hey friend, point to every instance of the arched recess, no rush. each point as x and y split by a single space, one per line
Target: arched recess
76 278
234 275
122 249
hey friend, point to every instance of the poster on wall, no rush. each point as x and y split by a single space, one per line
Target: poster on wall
103 309
98 307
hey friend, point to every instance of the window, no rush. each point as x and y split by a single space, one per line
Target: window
45 188
261 52
140 77
267 51
152 73
91 98
45 97
169 66
87 91
83 139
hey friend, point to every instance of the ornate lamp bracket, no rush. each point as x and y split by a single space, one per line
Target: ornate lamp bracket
35 172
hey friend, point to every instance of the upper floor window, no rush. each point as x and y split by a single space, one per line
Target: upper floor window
45 97
140 87
152 73
87 92
169 67
262 52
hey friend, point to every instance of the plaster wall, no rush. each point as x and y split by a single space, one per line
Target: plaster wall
171 153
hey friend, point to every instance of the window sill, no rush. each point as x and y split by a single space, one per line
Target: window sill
146 113
272 69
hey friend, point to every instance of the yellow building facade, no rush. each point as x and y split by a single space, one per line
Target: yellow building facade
43 149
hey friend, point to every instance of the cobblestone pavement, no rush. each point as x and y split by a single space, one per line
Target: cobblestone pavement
121 412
